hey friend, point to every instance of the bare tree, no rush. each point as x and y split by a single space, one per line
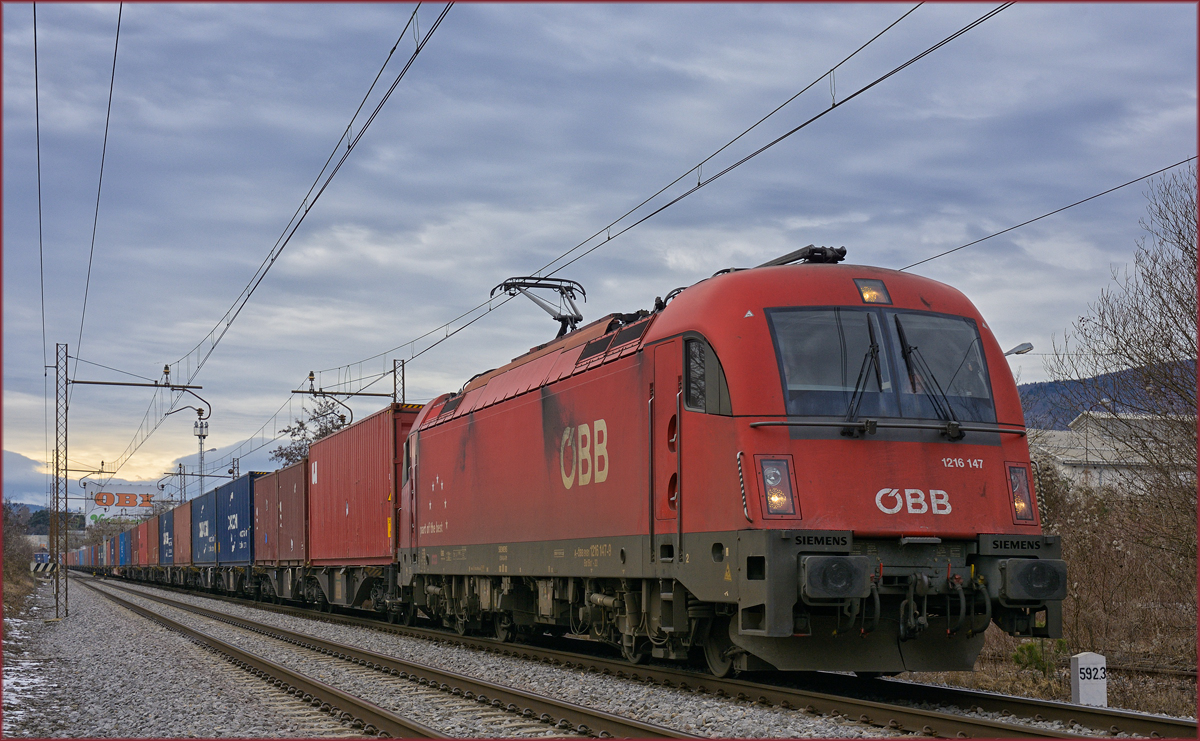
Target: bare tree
1131 359
324 419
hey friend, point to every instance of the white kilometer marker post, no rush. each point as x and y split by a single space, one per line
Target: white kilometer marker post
1089 679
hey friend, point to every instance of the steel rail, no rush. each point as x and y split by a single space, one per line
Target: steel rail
898 717
1096 718
374 719
556 712
1111 720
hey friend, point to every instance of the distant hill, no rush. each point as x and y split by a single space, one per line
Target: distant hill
1045 404
1048 406
32 507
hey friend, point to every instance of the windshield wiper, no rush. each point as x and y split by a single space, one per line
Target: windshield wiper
870 360
941 404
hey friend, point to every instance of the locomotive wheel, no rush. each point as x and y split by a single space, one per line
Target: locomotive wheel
505 630
637 652
716 642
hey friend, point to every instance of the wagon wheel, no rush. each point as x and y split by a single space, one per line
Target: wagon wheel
637 651
716 648
505 630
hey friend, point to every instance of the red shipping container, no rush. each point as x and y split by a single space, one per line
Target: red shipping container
143 543
183 534
352 493
152 541
135 537
266 519
293 514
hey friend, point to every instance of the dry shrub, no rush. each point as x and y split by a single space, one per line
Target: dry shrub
18 582
1128 599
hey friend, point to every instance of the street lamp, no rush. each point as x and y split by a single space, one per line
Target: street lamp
1020 349
200 430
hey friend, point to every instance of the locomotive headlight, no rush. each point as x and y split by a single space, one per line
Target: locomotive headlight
872 291
1035 579
772 475
1022 501
835 577
778 487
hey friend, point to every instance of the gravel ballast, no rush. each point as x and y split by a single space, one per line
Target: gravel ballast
105 672
692 712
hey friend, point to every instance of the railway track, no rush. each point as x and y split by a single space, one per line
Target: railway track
834 697
537 714
373 719
870 701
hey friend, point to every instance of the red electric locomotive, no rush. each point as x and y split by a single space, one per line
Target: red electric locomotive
798 467
804 466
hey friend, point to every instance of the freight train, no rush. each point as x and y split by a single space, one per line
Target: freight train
801 466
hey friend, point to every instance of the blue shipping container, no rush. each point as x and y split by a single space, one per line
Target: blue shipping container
123 549
166 537
235 518
204 528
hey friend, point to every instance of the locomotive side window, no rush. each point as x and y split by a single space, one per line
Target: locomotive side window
704 385
826 354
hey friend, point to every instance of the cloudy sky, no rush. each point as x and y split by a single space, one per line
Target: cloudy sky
518 132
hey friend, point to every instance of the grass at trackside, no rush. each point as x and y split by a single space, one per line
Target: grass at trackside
1146 693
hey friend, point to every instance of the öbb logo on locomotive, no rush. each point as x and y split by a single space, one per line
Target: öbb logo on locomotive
588 454
692 479
938 504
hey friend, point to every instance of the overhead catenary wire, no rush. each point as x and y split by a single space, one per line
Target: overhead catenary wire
190 364
834 105
100 184
377 377
116 370
1050 213
445 329
609 235
697 168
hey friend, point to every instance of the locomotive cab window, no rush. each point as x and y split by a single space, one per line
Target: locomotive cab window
828 356
941 364
704 385
842 361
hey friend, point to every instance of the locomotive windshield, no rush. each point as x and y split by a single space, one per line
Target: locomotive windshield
905 364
